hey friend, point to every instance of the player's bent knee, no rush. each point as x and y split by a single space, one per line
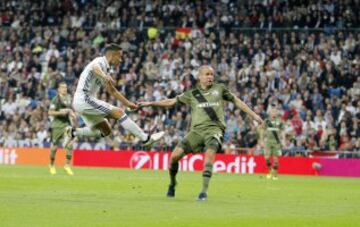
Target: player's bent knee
177 154
54 147
268 162
210 155
104 128
117 113
175 157
210 152
106 132
107 129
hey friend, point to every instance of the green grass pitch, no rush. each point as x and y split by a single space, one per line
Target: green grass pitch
30 196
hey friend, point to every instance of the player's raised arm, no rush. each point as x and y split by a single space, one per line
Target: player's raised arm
241 105
114 92
61 112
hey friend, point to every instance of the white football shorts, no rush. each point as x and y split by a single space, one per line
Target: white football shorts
91 110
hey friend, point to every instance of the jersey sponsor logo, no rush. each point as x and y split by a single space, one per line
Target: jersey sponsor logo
208 104
213 93
273 129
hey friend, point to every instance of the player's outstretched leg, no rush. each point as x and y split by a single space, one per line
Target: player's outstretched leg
176 155
132 127
207 173
52 168
72 133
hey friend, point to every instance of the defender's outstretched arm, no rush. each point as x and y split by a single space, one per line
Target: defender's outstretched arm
161 103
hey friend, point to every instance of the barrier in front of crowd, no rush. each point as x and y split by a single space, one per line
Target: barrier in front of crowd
235 164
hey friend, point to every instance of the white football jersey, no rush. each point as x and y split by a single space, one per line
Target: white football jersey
89 84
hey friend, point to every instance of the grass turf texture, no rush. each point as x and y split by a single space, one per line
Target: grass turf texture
30 196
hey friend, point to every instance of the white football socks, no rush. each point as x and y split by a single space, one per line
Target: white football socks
87 132
131 126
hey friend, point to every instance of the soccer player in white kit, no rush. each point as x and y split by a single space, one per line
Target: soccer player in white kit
95 112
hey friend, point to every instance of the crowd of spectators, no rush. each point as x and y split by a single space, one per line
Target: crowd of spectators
313 74
228 14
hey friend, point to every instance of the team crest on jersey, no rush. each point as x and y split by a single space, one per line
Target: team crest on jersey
98 82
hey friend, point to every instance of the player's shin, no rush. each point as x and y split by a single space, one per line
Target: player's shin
68 155
268 164
275 168
52 159
132 127
173 170
87 132
207 173
67 167
52 155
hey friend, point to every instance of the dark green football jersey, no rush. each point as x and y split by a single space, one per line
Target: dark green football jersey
215 97
273 129
56 104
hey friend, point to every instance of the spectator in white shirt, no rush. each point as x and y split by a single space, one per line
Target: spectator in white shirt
10 107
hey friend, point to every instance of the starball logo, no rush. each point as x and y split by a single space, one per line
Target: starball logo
140 160
158 161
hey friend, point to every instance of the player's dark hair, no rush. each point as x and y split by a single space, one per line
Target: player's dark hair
112 47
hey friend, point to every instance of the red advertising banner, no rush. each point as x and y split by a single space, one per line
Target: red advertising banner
160 161
29 156
340 167
238 164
